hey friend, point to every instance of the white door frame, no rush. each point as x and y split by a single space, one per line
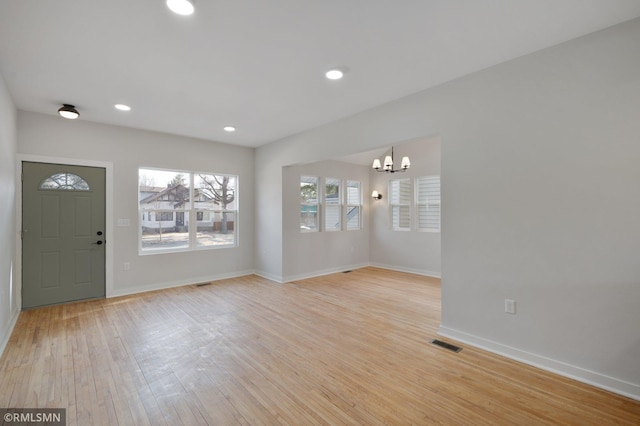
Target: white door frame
108 261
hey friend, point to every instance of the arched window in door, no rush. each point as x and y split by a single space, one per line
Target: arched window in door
65 181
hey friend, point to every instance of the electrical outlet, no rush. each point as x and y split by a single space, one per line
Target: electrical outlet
126 266
510 306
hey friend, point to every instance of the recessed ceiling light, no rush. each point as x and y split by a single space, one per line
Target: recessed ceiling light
229 128
68 111
334 74
122 107
181 7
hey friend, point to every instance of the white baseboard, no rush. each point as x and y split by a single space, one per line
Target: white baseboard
179 283
593 378
324 272
408 270
270 277
6 333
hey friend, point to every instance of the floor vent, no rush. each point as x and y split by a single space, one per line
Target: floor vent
202 284
446 345
345 272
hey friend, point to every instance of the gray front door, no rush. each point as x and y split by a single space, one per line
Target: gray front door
63 221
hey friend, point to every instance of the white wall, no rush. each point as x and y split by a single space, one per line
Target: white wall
268 218
269 162
409 251
308 254
9 301
128 149
540 183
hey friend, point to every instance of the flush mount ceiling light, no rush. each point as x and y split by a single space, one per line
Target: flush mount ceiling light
334 74
122 107
69 111
229 128
181 7
388 164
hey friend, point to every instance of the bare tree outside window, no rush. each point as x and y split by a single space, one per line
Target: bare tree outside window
221 189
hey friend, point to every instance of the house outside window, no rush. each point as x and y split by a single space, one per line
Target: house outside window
181 210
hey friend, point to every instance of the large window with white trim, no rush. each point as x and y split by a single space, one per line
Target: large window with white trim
183 210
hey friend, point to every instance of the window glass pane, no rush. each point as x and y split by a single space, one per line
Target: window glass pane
429 217
309 217
399 200
332 217
354 201
65 181
332 208
405 192
399 191
394 192
428 189
428 202
219 230
309 190
332 191
353 193
353 217
308 203
212 192
163 190
401 217
158 233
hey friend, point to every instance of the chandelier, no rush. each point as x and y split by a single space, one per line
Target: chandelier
388 164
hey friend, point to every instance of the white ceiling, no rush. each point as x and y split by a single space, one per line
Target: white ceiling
259 65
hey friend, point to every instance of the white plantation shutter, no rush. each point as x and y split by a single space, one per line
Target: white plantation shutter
332 205
400 202
428 203
354 202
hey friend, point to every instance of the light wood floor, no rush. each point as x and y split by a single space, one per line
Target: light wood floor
348 348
